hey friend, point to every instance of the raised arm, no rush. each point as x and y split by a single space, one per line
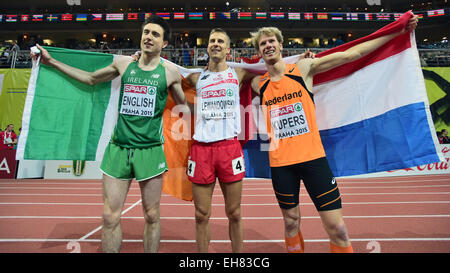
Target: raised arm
244 75
328 62
255 84
176 90
102 75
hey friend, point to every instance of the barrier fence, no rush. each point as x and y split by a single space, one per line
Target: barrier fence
198 56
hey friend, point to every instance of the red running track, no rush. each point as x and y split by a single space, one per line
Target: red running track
399 214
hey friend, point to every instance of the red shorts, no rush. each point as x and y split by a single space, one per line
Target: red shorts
223 159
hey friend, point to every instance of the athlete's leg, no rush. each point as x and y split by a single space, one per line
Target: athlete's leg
324 192
202 194
333 223
151 196
286 185
291 218
232 193
292 233
114 195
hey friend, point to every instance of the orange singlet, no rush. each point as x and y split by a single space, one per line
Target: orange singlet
290 118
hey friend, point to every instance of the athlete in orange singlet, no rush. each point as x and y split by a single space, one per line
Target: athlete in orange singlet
296 152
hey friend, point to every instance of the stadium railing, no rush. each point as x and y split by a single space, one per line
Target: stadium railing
189 57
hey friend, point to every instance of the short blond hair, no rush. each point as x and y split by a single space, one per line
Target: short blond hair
267 31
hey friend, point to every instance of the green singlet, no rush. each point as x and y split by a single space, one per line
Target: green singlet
136 147
143 96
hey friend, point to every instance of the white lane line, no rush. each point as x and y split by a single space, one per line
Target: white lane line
54 188
244 189
221 195
309 203
248 182
220 205
360 187
20 240
59 204
341 181
50 183
225 218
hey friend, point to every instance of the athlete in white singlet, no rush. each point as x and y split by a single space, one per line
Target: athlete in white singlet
217 115
216 152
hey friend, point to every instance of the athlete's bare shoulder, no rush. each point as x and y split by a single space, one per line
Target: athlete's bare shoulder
121 63
172 73
304 65
170 68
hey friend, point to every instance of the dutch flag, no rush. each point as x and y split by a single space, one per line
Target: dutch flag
388 125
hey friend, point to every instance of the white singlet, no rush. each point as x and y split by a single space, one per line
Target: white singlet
217 113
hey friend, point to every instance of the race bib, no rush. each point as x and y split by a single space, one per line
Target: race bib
138 100
288 121
238 165
218 104
191 168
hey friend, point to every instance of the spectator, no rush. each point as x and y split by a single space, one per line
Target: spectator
177 58
20 131
444 134
2 49
202 58
12 53
39 40
423 63
186 55
104 47
15 47
439 136
8 138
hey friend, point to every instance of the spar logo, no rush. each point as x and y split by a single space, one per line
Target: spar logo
139 89
214 93
285 110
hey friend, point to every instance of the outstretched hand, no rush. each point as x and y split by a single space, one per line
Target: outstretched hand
136 56
45 56
308 54
411 25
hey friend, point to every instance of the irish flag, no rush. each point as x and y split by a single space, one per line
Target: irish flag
373 114
64 119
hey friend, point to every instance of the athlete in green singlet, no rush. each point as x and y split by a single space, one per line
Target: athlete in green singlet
136 147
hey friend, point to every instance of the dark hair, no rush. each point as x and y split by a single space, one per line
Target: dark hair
154 19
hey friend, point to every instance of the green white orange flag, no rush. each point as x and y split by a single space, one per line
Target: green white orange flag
64 119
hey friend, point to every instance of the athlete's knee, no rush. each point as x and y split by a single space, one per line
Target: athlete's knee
151 215
110 218
291 220
337 231
233 214
202 215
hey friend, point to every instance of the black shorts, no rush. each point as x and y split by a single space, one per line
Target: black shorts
318 179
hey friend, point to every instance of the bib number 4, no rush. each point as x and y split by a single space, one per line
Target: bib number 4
238 165
191 168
